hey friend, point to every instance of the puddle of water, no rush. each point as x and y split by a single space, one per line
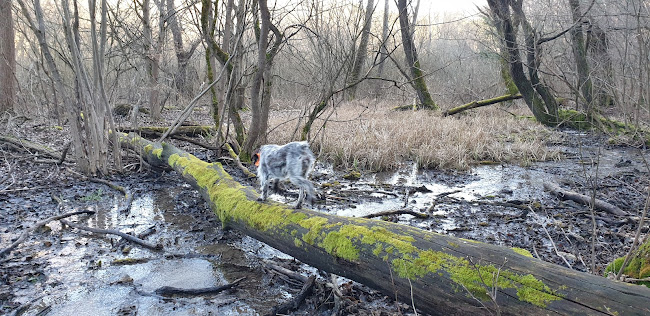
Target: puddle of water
82 280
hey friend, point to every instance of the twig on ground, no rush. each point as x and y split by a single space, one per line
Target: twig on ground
102 181
37 225
169 290
128 237
397 212
557 252
297 300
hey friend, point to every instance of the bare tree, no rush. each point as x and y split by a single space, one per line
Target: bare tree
580 54
362 50
7 57
183 55
384 38
416 75
535 93
151 56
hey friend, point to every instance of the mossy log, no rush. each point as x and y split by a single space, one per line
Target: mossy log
190 130
30 146
439 274
638 268
476 104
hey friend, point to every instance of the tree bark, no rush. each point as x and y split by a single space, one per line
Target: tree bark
440 275
544 113
412 61
384 38
362 50
71 110
580 55
7 58
257 127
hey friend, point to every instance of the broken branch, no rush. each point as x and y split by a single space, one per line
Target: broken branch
128 237
37 225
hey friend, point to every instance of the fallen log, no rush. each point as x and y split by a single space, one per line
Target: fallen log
29 145
583 199
187 130
439 274
476 104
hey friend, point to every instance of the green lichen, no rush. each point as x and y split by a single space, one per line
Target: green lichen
522 252
158 152
297 242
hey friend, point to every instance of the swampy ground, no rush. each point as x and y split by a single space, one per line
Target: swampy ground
59 270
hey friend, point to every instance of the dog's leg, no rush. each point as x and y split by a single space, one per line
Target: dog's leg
306 190
264 188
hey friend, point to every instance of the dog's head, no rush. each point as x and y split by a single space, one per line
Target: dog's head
256 158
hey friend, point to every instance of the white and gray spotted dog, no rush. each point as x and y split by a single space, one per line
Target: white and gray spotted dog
293 161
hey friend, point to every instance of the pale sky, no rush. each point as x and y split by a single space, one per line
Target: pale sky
449 6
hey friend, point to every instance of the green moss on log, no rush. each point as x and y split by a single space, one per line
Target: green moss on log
522 252
638 267
348 239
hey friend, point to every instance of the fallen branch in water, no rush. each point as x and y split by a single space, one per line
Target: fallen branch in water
128 237
295 302
169 290
583 199
397 212
37 225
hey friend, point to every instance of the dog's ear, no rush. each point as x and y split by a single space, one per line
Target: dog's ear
256 159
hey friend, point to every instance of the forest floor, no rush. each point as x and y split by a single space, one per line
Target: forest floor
59 270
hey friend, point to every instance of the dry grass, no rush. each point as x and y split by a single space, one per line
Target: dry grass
380 139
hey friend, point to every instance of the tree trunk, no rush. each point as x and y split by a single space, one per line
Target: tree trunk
580 55
384 38
7 58
182 55
440 275
71 110
257 126
501 13
150 56
412 61
362 50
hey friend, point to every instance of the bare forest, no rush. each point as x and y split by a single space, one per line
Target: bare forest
480 157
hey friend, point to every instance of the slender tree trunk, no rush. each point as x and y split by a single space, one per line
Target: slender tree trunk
362 50
183 55
580 55
412 61
384 39
7 58
71 110
151 58
256 126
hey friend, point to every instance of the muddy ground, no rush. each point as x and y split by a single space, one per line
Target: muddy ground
59 270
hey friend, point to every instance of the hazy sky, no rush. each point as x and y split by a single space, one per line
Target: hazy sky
434 6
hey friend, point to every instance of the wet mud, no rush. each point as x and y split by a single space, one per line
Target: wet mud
60 270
